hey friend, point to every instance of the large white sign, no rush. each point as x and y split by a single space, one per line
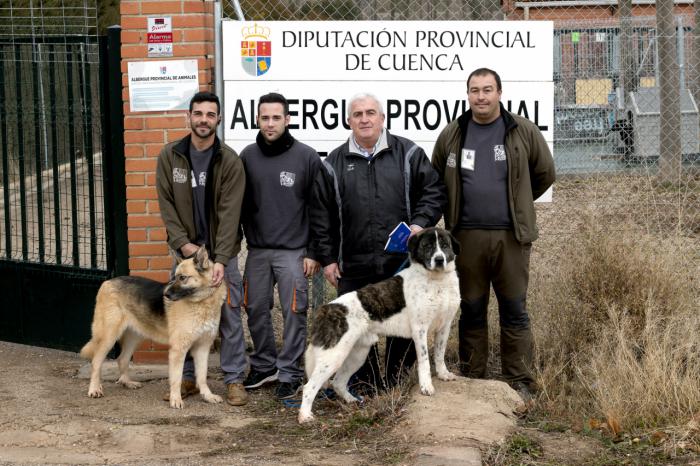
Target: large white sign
418 69
162 85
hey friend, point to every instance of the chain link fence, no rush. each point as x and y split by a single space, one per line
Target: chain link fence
626 90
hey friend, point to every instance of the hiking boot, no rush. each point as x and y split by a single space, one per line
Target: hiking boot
286 390
525 391
187 388
257 379
236 394
362 390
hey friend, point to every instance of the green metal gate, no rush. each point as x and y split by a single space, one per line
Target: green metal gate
62 199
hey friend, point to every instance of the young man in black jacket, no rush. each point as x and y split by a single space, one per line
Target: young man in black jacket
365 188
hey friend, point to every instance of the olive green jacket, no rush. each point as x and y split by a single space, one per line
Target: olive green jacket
224 196
530 170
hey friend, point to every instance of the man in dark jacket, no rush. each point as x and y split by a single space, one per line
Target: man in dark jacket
200 183
280 172
494 164
366 187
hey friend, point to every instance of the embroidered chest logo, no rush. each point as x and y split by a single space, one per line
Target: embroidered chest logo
203 179
350 167
287 179
179 175
499 153
452 160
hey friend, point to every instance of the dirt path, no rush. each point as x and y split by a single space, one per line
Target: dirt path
47 418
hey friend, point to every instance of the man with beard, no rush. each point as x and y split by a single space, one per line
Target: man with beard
280 172
201 183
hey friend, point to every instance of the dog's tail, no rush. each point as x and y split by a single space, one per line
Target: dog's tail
88 350
309 361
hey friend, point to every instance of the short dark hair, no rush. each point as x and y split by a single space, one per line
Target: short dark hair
205 96
274 98
485 72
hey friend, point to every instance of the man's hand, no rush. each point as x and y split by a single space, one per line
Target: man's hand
311 267
332 274
217 275
415 229
188 250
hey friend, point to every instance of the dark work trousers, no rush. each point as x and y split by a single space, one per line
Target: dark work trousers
285 267
494 257
400 353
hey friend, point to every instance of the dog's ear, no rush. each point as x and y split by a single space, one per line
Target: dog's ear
456 248
176 257
413 244
201 259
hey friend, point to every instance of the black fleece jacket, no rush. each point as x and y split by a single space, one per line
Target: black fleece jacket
357 203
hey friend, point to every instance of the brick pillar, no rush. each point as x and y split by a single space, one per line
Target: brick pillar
145 133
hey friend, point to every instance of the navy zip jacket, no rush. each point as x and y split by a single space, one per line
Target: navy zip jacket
357 202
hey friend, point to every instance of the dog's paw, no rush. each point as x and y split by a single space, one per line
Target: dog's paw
305 418
427 390
176 403
212 398
128 383
447 375
95 392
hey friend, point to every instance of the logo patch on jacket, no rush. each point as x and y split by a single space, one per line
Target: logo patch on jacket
287 179
499 153
452 160
179 175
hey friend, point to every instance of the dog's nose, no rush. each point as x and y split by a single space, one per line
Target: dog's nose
439 261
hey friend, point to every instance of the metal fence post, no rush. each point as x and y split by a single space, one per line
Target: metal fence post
113 151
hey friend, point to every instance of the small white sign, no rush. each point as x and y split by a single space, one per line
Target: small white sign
162 85
160 24
160 50
160 37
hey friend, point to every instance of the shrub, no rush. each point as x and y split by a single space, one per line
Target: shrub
617 330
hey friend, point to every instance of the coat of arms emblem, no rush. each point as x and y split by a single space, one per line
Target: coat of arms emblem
256 50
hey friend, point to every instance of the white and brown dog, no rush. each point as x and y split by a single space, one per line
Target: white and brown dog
420 299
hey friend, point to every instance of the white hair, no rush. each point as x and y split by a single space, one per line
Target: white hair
363 96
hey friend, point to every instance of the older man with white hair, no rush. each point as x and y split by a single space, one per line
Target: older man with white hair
367 186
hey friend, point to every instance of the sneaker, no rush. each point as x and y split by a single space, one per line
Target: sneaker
257 379
236 394
187 388
286 390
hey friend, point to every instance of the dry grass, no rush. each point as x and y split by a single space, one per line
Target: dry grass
614 299
618 331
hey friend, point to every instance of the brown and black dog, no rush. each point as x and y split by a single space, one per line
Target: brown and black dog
183 313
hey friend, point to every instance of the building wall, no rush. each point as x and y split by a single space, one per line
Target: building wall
146 132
